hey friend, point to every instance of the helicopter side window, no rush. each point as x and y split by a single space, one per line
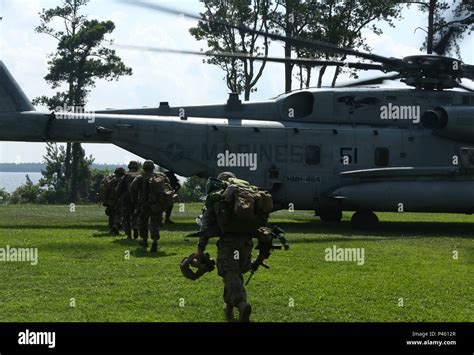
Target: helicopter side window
381 156
312 155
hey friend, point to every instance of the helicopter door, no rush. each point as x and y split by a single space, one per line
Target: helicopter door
309 166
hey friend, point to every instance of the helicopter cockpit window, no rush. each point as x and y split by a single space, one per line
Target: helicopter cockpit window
312 155
381 157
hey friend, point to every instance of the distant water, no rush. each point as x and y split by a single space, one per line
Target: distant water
10 181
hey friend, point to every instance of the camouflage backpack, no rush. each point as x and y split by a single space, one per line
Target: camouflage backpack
124 187
240 207
158 192
106 192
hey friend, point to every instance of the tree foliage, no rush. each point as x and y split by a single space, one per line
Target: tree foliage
453 16
81 58
4 196
342 23
26 193
193 190
241 75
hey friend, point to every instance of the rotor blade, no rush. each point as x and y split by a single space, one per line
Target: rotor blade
377 80
468 71
244 56
297 42
459 85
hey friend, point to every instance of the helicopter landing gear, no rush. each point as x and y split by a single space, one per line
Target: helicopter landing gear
331 216
364 219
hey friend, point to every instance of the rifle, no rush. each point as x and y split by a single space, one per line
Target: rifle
209 233
266 247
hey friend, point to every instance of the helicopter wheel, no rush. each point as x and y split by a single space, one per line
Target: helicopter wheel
364 219
331 216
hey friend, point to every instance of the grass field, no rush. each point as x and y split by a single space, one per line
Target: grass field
409 272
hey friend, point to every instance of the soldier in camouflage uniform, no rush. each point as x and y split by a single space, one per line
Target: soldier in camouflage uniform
129 213
234 253
174 182
149 220
111 200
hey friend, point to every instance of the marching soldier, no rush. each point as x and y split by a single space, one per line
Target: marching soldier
129 215
234 252
152 194
174 182
111 200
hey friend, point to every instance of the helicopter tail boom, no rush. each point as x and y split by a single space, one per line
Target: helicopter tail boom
12 97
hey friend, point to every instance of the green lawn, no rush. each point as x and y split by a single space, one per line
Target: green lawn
409 256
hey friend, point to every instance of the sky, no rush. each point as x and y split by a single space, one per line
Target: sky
180 80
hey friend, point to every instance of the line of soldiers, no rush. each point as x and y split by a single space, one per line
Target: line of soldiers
126 196
130 203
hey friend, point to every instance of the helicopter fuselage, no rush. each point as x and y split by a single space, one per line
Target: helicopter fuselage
346 155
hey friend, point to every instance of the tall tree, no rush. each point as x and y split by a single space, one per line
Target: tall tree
448 23
80 59
291 18
54 177
342 23
241 75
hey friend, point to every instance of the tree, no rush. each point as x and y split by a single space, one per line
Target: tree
241 75
290 18
54 177
26 193
96 178
193 189
449 19
80 59
342 23
4 196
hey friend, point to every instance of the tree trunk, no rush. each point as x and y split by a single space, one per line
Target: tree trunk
288 32
76 155
334 78
288 68
246 93
321 74
308 77
429 44
67 163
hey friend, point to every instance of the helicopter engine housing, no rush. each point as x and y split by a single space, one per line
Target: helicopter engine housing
455 122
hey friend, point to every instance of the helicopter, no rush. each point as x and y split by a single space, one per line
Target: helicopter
358 147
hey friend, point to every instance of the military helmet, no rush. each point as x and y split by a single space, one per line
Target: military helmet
133 165
214 185
224 176
119 171
149 165
202 265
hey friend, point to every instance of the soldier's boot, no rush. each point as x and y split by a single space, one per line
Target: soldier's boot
135 233
154 247
111 225
244 311
144 243
228 312
128 232
114 230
